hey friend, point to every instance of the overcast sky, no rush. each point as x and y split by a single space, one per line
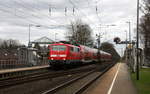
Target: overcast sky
16 15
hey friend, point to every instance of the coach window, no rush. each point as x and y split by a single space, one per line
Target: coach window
75 49
78 50
71 49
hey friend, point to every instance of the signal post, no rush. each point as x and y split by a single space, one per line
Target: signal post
99 42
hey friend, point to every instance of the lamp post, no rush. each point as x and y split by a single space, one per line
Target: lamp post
129 23
126 46
126 37
137 42
30 31
129 30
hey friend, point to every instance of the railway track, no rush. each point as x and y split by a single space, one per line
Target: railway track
18 72
78 84
42 75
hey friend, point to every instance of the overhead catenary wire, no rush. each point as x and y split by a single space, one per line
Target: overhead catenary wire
81 12
34 10
84 14
51 9
32 22
96 8
21 16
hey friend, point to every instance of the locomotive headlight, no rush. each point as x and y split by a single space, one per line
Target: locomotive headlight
52 59
64 58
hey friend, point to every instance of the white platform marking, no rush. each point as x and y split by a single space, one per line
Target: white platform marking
112 84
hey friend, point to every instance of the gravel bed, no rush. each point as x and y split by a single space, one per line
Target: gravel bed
75 86
37 87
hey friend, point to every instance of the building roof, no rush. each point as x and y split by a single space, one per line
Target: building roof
43 40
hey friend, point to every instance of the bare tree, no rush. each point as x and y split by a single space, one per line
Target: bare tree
80 33
9 44
145 29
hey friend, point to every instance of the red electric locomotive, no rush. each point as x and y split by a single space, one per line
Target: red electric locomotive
68 54
61 54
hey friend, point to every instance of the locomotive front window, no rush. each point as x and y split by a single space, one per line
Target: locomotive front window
58 48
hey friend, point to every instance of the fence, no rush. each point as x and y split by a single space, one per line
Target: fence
22 57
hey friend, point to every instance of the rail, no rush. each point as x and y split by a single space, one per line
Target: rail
38 76
57 90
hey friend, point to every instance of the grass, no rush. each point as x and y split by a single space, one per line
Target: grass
142 85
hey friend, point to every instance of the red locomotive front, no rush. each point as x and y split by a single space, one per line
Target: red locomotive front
61 54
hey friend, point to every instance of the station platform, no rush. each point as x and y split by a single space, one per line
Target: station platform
23 69
116 81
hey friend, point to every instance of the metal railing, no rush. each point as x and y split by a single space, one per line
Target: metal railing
12 64
22 57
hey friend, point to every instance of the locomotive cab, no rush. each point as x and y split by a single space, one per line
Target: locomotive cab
58 52
63 54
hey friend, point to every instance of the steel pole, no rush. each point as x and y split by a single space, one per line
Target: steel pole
130 31
126 47
130 45
29 32
99 53
129 23
137 43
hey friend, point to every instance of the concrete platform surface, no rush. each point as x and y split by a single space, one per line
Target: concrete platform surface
23 69
116 81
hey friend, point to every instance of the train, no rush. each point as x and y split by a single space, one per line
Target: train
69 54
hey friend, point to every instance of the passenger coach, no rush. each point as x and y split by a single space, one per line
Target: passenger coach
68 54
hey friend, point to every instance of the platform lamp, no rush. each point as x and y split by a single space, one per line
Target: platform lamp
30 25
137 42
